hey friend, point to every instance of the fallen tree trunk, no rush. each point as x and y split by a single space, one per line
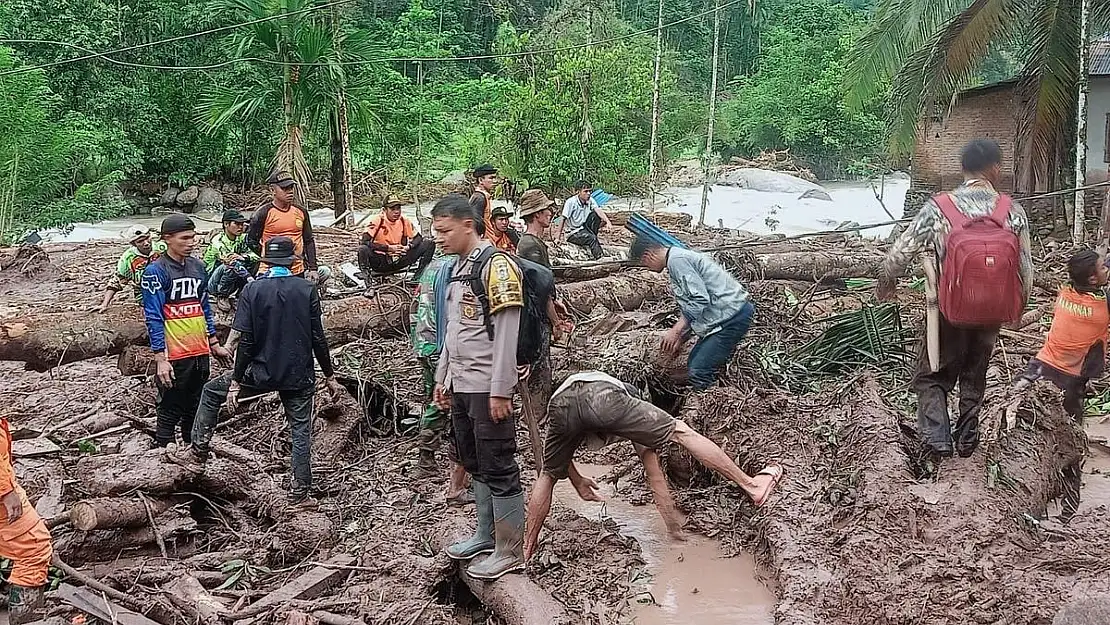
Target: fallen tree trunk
516 599
99 545
851 466
108 513
632 357
44 341
803 266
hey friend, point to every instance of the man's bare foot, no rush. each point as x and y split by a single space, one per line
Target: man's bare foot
766 480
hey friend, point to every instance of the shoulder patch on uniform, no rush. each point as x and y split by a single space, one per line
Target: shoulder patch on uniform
503 284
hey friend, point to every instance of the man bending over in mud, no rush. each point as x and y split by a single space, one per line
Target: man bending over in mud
601 409
1074 351
714 305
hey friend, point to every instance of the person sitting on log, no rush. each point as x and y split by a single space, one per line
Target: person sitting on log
229 262
129 269
1074 352
503 236
24 541
965 348
713 304
280 330
181 327
390 245
582 219
599 409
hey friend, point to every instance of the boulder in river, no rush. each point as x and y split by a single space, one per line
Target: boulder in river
188 197
766 181
169 196
816 194
210 199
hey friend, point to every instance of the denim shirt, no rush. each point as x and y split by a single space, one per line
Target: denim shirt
707 295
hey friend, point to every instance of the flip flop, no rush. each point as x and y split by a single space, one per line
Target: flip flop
776 473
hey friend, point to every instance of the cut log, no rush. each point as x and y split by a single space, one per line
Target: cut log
100 545
44 341
516 599
110 513
113 474
804 266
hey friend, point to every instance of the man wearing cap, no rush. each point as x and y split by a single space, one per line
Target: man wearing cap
501 235
181 327
228 260
582 219
280 330
391 244
129 268
284 218
485 179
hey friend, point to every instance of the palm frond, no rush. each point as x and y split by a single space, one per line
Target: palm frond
1051 75
944 65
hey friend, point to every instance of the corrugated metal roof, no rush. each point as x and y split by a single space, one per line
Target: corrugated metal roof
1100 58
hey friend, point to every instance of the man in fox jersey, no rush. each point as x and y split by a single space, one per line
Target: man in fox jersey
181 327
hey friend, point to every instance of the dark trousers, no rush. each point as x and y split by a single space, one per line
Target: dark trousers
225 281
178 404
486 449
587 236
371 262
298 412
965 354
712 352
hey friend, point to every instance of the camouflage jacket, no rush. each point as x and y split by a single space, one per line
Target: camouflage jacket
423 317
929 231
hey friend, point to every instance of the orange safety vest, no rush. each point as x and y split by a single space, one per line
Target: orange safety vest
487 217
385 232
8 530
285 223
1080 321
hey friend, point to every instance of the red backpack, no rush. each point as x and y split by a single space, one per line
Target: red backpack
980 283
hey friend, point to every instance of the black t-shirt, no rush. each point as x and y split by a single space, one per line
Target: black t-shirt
530 247
281 326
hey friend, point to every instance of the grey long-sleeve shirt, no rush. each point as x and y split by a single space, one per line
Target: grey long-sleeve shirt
707 294
470 362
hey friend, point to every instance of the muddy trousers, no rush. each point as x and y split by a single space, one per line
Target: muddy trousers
177 405
486 449
298 406
30 551
375 263
434 423
965 354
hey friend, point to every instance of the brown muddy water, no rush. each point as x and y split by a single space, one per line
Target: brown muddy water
692 583
1096 470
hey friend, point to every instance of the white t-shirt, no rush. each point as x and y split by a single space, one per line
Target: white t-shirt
575 214
589 376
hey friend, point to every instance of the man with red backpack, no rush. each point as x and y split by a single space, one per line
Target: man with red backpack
980 239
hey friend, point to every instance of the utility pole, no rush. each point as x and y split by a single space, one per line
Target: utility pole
712 110
1078 233
653 147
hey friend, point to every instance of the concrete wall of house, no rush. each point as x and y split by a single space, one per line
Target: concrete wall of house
1098 114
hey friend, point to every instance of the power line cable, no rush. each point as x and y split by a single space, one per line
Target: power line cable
149 44
478 57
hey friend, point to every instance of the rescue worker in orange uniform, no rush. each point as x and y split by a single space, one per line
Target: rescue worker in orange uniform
502 235
391 244
1074 351
24 540
283 218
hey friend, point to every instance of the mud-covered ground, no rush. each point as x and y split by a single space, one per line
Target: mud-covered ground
858 533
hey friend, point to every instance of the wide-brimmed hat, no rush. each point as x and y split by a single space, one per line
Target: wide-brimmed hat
500 211
280 251
533 201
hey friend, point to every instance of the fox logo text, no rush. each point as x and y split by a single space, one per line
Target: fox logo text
184 288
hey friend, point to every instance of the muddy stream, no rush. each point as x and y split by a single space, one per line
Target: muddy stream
693 583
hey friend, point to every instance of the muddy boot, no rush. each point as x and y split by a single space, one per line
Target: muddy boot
429 443
25 605
188 457
482 540
508 557
464 498
300 499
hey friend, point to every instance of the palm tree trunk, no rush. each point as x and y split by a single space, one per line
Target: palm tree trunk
342 193
653 147
1078 232
712 110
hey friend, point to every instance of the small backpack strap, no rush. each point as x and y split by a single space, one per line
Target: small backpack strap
1001 212
948 208
474 279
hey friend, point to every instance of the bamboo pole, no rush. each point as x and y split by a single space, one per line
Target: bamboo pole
712 110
